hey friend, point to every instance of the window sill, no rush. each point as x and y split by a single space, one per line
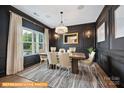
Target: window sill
31 55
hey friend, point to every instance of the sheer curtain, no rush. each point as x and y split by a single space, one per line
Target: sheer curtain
46 34
15 45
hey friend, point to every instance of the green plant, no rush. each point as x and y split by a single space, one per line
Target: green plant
90 49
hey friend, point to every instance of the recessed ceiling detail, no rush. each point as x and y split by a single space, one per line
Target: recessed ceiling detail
80 7
47 16
36 14
73 14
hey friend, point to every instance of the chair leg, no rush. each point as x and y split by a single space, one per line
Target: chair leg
81 65
90 72
55 67
68 71
47 63
48 66
59 69
89 68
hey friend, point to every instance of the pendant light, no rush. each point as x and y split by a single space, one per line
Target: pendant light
61 29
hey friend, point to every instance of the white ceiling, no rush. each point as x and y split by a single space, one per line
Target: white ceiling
72 15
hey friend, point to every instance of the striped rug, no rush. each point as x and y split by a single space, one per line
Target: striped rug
61 78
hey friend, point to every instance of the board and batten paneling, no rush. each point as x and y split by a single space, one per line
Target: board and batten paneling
110 53
83 41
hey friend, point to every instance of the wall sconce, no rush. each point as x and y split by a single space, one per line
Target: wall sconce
56 36
88 34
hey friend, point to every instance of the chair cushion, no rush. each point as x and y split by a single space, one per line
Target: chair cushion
88 62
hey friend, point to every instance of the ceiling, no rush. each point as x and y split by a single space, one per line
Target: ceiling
72 14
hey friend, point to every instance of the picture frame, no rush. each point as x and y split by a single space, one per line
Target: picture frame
70 38
119 22
101 33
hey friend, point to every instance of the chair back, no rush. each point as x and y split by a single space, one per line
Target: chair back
42 51
52 57
53 49
64 60
72 49
61 50
91 56
43 57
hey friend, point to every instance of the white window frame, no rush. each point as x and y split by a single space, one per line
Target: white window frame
33 42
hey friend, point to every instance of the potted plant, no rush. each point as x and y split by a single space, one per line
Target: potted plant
90 49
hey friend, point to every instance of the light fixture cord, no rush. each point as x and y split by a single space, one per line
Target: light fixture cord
61 17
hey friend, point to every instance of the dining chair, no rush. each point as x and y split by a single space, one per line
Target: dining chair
88 62
64 61
62 50
53 49
43 58
52 59
72 49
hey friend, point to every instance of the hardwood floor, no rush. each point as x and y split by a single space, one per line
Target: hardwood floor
17 78
14 78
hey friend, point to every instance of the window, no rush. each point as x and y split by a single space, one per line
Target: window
32 41
119 22
101 33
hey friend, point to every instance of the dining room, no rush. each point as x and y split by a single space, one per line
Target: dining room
63 45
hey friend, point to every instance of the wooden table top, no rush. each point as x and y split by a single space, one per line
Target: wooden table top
78 56
43 54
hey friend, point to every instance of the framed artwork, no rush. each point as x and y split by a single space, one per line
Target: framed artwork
119 22
70 38
101 33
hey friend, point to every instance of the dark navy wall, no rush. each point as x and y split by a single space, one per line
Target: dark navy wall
83 43
110 53
4 29
4 24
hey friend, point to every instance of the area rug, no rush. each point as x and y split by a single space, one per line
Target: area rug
61 78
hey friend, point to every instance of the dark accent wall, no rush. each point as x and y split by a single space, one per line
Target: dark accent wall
30 25
4 23
84 41
4 29
110 53
31 60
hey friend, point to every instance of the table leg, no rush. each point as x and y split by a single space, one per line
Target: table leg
75 69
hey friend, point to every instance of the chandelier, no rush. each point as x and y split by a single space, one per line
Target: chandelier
61 29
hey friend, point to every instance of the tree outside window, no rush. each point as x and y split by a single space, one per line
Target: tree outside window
32 41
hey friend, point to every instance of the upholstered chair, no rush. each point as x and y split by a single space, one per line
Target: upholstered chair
43 58
52 59
72 49
53 49
62 50
88 62
64 61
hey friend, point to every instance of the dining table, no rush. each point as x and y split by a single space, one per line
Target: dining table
75 57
